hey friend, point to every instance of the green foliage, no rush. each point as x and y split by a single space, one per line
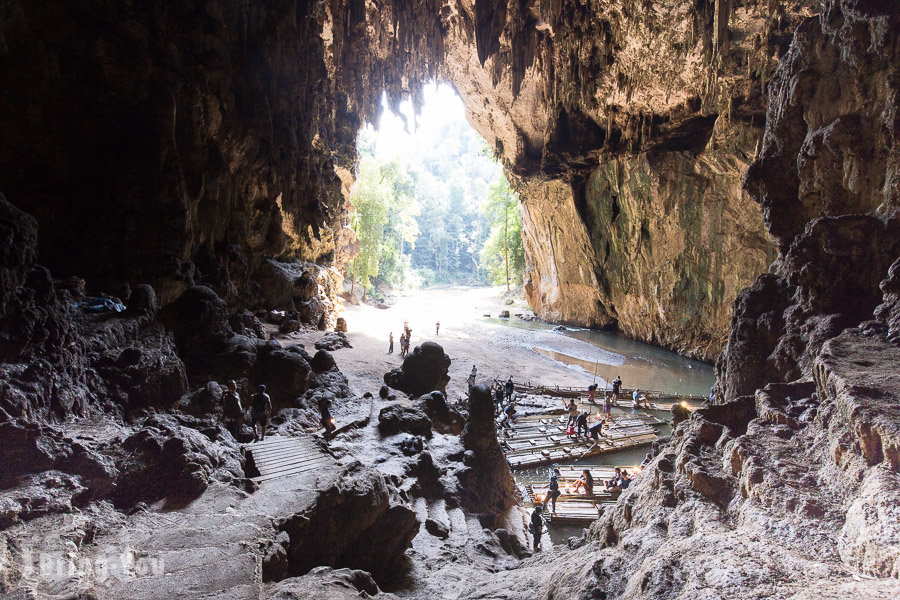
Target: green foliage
503 253
433 213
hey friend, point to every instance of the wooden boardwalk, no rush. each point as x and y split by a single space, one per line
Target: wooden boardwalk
278 456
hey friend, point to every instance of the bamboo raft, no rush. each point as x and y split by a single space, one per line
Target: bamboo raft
656 400
574 508
530 446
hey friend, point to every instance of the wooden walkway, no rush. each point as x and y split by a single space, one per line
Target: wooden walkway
278 456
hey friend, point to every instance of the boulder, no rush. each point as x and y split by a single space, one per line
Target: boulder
143 302
341 325
423 371
333 341
443 418
397 418
322 361
284 371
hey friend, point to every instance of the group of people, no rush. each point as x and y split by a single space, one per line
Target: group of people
404 340
233 410
234 416
578 422
620 481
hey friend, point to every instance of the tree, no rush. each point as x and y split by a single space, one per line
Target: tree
503 252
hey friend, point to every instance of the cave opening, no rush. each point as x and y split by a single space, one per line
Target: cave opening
430 205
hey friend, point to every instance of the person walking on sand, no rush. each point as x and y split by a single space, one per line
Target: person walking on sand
437 328
391 344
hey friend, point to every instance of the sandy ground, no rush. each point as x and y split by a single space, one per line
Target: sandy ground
497 350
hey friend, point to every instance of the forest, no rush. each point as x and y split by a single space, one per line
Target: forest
432 208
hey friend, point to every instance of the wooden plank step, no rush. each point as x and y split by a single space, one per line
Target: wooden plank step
295 471
266 468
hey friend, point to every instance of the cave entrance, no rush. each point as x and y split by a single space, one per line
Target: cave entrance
431 205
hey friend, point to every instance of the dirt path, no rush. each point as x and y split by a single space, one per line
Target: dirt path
468 337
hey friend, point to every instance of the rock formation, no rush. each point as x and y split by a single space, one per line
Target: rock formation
422 371
486 482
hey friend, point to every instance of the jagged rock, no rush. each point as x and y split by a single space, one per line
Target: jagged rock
18 249
410 445
423 371
340 325
142 302
165 460
443 418
504 314
246 323
289 326
428 477
333 341
487 484
325 583
396 418
363 529
284 371
679 414
437 528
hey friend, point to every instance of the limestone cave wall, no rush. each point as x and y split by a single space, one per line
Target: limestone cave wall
188 143
174 143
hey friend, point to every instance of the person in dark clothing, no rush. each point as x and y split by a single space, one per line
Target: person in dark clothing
325 417
508 387
552 493
498 397
615 480
585 482
232 411
617 389
537 527
437 328
581 422
510 411
646 462
592 390
391 344
595 431
260 409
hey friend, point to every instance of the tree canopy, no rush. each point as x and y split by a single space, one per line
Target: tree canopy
435 209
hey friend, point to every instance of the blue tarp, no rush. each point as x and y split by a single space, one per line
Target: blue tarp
98 305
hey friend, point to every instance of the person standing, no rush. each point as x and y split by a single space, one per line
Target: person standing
498 397
508 387
592 389
607 406
260 409
552 492
391 344
232 411
471 378
572 409
537 527
437 328
617 389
